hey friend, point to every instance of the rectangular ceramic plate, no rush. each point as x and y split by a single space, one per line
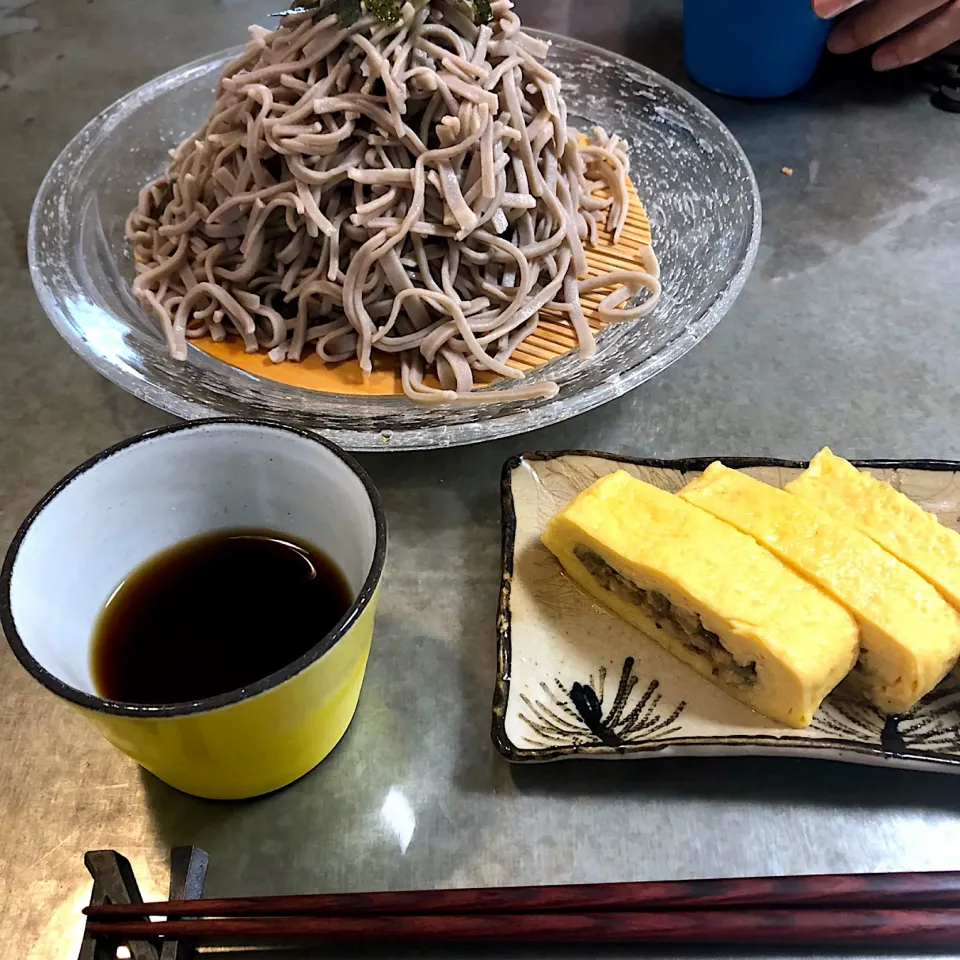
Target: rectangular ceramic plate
573 680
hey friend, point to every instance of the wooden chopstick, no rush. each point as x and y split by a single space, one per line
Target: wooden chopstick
803 926
880 890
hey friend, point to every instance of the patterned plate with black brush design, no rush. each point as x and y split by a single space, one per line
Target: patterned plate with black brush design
573 680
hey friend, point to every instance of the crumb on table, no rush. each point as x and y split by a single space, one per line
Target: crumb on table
787 171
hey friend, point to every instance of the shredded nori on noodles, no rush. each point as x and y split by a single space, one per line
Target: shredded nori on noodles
481 12
349 11
387 11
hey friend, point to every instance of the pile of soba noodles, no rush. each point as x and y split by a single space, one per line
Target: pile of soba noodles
407 187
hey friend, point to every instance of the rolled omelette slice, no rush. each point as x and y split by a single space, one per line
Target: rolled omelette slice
909 635
893 520
708 594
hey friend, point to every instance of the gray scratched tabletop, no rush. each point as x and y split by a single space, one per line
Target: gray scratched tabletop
848 331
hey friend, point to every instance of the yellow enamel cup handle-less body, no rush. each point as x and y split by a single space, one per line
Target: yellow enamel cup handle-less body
259 743
144 495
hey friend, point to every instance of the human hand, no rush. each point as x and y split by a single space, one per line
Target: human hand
916 28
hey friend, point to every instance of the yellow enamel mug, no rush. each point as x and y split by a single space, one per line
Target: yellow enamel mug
130 502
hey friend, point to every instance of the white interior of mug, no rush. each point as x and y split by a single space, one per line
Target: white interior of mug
131 504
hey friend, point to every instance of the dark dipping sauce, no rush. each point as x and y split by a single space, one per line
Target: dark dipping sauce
213 614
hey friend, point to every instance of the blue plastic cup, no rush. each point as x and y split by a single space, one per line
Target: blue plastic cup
752 48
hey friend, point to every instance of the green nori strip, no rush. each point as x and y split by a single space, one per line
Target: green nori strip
321 9
349 12
387 11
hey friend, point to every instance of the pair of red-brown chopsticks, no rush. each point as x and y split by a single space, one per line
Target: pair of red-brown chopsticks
907 908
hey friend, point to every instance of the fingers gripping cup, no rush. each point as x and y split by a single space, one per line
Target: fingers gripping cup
752 48
149 494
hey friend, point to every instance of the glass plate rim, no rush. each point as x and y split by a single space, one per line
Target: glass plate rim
515 419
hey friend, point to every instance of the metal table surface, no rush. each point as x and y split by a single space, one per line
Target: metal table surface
847 332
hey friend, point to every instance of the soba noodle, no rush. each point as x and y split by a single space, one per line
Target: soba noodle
409 188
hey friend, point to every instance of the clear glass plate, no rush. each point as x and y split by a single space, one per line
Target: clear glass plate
690 173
